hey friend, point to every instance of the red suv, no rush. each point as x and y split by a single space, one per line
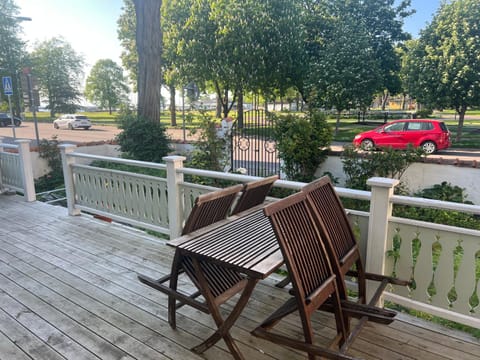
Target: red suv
431 135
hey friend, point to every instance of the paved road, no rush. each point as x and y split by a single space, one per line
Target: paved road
106 133
95 133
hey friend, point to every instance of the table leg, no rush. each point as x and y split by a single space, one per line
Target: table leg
223 326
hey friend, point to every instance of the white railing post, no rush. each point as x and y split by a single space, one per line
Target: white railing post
175 198
380 213
67 163
26 168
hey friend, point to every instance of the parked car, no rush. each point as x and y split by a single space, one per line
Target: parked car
6 120
431 135
72 121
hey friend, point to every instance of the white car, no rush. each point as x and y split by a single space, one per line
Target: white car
72 121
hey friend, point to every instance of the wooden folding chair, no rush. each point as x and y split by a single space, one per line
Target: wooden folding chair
254 193
317 281
208 209
341 243
311 274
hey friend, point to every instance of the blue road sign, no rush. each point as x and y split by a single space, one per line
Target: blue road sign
7 85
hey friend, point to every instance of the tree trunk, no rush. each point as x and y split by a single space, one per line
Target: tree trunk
218 112
149 49
225 103
461 117
240 106
173 108
337 123
384 100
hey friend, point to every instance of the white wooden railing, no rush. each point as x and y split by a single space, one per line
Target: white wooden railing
16 170
443 261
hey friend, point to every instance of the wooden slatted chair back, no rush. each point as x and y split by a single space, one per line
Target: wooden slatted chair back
307 261
210 208
254 193
339 238
326 202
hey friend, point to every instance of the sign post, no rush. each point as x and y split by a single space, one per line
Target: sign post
8 90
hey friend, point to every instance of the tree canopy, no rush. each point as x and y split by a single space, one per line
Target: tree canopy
442 68
12 48
58 69
106 85
238 45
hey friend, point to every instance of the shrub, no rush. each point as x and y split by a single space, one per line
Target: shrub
360 165
48 150
444 192
302 143
142 139
424 113
210 152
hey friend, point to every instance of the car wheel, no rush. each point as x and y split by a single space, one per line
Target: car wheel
429 147
70 127
86 128
367 144
55 126
17 122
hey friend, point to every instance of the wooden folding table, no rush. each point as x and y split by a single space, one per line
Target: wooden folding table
245 243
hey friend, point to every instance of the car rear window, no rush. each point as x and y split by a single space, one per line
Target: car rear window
443 126
81 117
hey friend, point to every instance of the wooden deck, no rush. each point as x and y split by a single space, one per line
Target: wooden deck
68 290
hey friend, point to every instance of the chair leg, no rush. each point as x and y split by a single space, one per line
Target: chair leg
172 302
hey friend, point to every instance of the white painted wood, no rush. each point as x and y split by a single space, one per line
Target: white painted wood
67 163
175 199
26 169
380 213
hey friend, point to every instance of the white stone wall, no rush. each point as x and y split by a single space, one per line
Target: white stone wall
421 175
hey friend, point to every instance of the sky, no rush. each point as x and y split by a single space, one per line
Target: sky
90 26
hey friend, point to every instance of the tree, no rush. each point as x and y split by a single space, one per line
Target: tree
58 69
376 24
126 34
148 39
442 68
344 73
384 23
106 85
12 49
169 24
239 46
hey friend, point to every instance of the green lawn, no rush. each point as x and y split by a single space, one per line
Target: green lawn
347 130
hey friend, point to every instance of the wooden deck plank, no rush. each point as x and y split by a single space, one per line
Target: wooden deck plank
142 288
68 288
28 313
17 342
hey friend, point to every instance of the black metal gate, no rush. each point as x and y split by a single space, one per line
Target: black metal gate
253 147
